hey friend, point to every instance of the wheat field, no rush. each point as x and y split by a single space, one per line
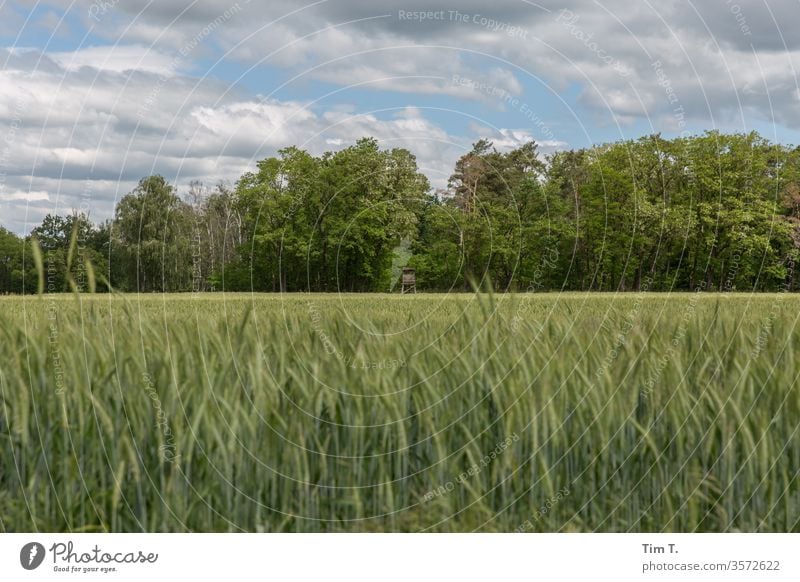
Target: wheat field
307 413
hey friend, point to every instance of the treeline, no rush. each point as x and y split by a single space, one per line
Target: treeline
710 212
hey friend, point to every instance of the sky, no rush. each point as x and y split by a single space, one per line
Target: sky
97 94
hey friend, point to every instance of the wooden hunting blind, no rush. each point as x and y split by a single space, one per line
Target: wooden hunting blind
409 280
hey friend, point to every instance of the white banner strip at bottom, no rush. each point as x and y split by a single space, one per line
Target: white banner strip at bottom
401 557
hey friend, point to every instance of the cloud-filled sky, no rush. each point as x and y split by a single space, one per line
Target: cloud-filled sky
97 94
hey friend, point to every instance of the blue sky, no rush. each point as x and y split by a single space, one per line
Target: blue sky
97 94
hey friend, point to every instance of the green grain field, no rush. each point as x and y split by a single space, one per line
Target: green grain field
307 413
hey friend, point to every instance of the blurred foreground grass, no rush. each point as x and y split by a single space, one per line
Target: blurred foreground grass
570 412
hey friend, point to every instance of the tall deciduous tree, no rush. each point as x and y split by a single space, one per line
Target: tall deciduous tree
152 238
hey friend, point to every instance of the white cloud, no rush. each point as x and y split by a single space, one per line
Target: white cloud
267 123
30 196
725 58
111 114
117 58
512 138
83 139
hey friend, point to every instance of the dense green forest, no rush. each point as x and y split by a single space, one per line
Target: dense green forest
713 212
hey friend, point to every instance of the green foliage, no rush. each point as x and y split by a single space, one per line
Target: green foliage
711 212
13 264
151 239
331 222
310 412
72 247
714 212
